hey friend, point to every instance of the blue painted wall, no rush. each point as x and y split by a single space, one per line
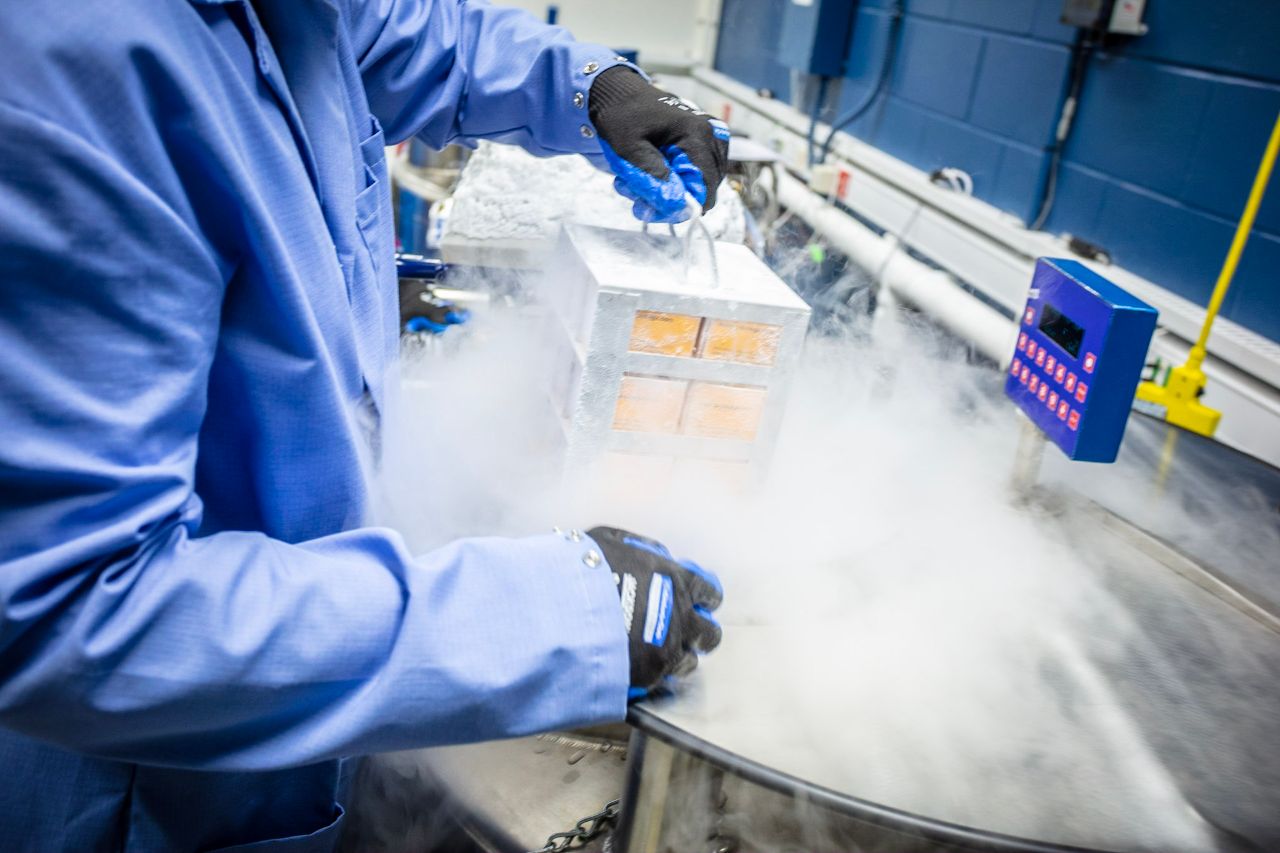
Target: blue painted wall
1169 133
747 47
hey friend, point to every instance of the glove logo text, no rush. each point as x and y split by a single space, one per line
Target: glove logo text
673 101
627 589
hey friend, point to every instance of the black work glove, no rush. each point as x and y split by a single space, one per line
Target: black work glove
658 146
666 607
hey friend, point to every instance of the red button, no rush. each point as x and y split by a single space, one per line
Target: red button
1074 421
1029 315
1015 366
1062 410
1049 364
1089 361
1026 371
1040 357
1044 391
1034 384
1081 391
1070 384
1053 399
1060 373
1022 342
1031 349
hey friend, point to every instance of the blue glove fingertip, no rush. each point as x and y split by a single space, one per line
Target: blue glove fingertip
665 197
642 211
708 576
422 324
690 175
648 545
621 188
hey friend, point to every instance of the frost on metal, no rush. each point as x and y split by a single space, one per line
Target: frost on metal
657 366
509 206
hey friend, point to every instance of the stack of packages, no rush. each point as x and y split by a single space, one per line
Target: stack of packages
659 369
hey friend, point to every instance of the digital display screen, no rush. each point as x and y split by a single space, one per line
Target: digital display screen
1060 329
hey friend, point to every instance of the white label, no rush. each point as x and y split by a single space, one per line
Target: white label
1127 17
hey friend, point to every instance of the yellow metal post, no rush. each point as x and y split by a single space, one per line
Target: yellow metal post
1180 396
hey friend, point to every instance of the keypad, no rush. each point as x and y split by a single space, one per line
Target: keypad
1049 377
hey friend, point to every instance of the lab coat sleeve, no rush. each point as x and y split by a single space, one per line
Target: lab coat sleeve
460 70
125 635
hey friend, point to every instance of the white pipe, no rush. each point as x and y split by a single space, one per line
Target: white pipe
930 290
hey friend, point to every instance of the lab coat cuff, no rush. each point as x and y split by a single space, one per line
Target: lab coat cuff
587 62
604 693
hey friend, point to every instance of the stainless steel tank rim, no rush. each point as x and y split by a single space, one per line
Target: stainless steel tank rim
1209 580
931 829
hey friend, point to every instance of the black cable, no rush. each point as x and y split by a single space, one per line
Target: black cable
1086 42
896 15
819 101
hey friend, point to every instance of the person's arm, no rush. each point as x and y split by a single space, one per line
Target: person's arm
449 70
461 70
124 635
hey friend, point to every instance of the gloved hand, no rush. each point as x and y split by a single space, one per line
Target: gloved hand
658 146
435 319
422 311
666 607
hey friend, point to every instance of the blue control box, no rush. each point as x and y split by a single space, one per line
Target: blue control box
1081 348
815 35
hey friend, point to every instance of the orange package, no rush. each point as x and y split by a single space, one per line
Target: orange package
723 411
745 343
649 404
665 334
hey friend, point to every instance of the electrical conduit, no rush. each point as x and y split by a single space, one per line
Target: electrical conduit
929 290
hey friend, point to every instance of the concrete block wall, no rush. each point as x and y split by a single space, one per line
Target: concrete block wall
1169 133
748 40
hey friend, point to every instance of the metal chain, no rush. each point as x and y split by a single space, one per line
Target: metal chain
587 829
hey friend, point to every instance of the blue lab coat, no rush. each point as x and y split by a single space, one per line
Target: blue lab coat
198 314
